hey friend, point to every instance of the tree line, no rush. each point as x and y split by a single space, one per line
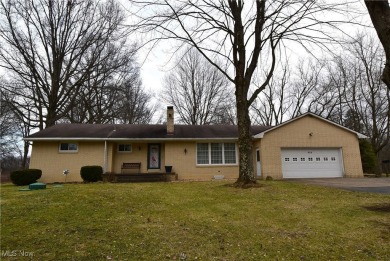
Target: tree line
73 61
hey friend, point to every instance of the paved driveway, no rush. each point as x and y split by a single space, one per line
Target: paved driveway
371 185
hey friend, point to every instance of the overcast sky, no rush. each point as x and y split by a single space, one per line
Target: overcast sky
156 63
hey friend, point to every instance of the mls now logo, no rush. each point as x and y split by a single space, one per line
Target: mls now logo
15 253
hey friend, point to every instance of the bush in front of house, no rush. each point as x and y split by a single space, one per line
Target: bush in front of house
91 173
25 176
368 157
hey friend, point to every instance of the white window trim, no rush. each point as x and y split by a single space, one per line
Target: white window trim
209 155
130 151
68 151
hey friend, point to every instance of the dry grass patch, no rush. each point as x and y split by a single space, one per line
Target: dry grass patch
193 221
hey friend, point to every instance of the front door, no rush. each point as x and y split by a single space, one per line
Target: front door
258 164
154 156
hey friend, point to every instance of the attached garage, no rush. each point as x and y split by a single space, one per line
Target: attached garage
312 163
308 146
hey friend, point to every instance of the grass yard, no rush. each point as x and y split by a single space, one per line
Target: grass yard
193 221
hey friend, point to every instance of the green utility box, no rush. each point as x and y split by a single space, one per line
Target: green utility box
37 186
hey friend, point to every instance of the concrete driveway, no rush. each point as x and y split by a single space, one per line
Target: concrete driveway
371 185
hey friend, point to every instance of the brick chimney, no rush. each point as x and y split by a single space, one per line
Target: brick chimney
170 120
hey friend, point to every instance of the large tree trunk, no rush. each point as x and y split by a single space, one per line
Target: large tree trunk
26 148
379 11
245 146
244 134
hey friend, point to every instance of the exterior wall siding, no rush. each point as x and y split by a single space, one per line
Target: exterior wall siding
296 135
184 164
46 156
182 155
139 153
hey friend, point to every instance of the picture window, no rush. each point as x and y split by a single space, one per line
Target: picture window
216 153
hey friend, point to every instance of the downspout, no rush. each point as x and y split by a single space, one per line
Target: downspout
105 156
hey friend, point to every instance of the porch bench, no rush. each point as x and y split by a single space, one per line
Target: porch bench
131 166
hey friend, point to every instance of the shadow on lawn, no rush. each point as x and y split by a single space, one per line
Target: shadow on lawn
244 186
385 207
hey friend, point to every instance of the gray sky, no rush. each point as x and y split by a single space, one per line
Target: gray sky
156 63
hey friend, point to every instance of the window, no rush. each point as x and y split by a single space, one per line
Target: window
325 158
286 159
310 159
318 159
333 158
216 153
295 159
302 159
124 147
68 147
230 153
202 153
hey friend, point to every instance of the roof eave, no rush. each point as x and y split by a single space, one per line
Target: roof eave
127 139
358 134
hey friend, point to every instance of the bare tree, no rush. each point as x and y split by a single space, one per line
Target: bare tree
272 105
379 11
371 100
114 93
352 93
198 90
13 126
51 48
133 104
243 36
8 128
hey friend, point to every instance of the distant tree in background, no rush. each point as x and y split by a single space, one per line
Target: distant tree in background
291 92
9 130
365 100
51 50
199 91
115 94
133 104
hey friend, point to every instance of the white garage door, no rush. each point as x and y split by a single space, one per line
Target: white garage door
312 163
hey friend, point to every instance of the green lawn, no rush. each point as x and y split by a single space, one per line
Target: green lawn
193 221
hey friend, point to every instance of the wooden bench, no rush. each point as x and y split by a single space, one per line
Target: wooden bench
131 166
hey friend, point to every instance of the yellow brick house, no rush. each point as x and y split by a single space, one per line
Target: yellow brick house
305 147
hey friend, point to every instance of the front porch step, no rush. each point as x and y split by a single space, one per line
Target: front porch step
143 177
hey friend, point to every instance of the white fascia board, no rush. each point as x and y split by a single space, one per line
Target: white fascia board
259 135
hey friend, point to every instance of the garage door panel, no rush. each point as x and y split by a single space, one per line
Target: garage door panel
311 163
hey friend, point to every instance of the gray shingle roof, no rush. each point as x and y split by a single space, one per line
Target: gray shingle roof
130 131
